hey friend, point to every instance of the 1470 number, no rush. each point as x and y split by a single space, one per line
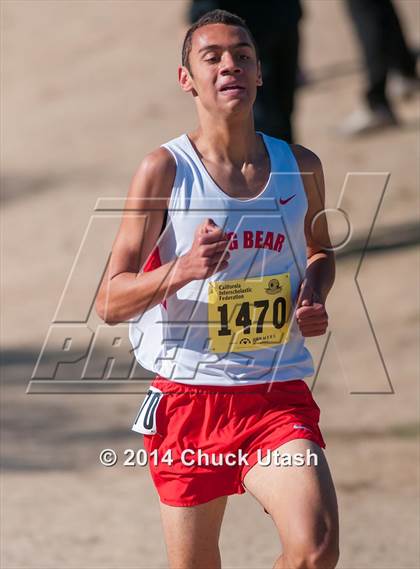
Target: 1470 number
243 317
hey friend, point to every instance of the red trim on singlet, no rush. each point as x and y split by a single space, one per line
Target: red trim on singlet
154 262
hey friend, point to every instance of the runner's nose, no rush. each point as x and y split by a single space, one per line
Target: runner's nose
229 64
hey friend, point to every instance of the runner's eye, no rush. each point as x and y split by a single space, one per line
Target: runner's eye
211 59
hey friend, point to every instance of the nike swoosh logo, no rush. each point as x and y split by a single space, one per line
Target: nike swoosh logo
282 202
302 427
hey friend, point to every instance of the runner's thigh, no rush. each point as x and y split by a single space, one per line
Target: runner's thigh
192 534
300 499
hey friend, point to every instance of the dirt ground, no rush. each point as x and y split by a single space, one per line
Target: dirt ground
88 88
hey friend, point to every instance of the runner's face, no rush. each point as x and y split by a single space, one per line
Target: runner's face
224 67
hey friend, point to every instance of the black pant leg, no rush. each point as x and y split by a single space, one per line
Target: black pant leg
369 19
198 8
275 99
401 58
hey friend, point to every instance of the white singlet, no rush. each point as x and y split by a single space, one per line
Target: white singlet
236 327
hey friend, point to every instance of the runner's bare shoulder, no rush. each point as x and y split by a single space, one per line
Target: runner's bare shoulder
143 214
145 207
307 160
154 177
312 174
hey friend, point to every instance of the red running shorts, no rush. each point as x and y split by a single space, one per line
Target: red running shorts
196 437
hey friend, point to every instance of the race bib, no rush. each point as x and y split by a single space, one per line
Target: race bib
145 422
249 314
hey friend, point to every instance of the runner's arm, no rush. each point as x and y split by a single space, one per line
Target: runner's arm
125 291
320 269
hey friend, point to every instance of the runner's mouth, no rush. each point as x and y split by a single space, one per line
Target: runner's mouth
232 87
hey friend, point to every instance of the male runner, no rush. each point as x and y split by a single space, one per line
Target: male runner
222 275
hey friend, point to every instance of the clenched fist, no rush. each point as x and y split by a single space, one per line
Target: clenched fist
311 316
208 253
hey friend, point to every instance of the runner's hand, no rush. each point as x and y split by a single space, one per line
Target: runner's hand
208 253
311 316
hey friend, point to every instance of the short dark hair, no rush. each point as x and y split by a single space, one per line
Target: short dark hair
213 17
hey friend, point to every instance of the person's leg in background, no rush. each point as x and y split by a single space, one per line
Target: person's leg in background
404 80
275 102
370 23
198 8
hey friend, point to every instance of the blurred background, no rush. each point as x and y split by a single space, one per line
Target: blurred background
88 88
